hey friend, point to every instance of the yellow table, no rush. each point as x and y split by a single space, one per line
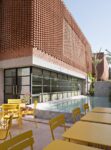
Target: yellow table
63 145
89 133
97 118
102 110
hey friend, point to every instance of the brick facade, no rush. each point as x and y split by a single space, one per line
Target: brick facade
45 25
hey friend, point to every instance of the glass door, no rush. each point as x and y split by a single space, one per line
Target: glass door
16 83
10 84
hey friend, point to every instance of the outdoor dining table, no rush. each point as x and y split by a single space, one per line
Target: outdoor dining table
102 110
89 133
63 145
97 118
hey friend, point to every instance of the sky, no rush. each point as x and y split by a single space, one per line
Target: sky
94 19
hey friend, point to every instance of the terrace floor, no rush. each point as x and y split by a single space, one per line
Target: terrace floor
41 134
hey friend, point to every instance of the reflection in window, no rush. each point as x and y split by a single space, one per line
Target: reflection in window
8 89
10 73
10 81
23 71
37 71
36 89
23 80
23 89
36 80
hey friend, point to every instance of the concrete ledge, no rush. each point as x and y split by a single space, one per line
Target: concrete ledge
46 115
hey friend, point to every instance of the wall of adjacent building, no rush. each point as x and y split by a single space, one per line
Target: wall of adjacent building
102 67
102 89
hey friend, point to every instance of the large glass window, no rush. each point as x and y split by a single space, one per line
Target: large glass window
16 82
50 83
46 81
37 81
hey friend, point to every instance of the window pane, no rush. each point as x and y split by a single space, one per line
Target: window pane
36 89
23 80
9 90
53 75
23 89
36 80
37 71
46 81
10 81
23 71
46 89
46 73
10 72
60 76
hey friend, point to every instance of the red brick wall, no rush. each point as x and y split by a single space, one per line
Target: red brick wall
57 34
15 28
46 25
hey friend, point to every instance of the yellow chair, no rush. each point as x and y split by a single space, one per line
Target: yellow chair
19 142
86 108
56 122
76 114
14 101
5 128
31 111
14 109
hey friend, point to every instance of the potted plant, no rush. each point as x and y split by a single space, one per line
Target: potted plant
26 98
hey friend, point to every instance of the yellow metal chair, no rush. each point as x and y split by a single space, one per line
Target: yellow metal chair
14 101
5 128
31 111
14 109
56 122
86 108
19 142
76 114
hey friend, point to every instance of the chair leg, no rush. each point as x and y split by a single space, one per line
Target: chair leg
10 135
20 122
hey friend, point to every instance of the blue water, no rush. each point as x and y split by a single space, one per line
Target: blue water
69 105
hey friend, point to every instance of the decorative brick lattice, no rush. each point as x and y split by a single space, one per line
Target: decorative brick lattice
15 24
45 25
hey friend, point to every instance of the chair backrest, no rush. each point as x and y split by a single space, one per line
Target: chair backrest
56 122
6 128
86 107
76 114
14 101
10 108
19 142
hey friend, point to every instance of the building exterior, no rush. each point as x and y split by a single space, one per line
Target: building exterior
102 67
110 73
42 51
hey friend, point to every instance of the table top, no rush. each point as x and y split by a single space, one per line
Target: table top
102 110
87 132
63 145
97 118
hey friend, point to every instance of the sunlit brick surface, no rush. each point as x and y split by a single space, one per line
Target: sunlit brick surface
45 25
